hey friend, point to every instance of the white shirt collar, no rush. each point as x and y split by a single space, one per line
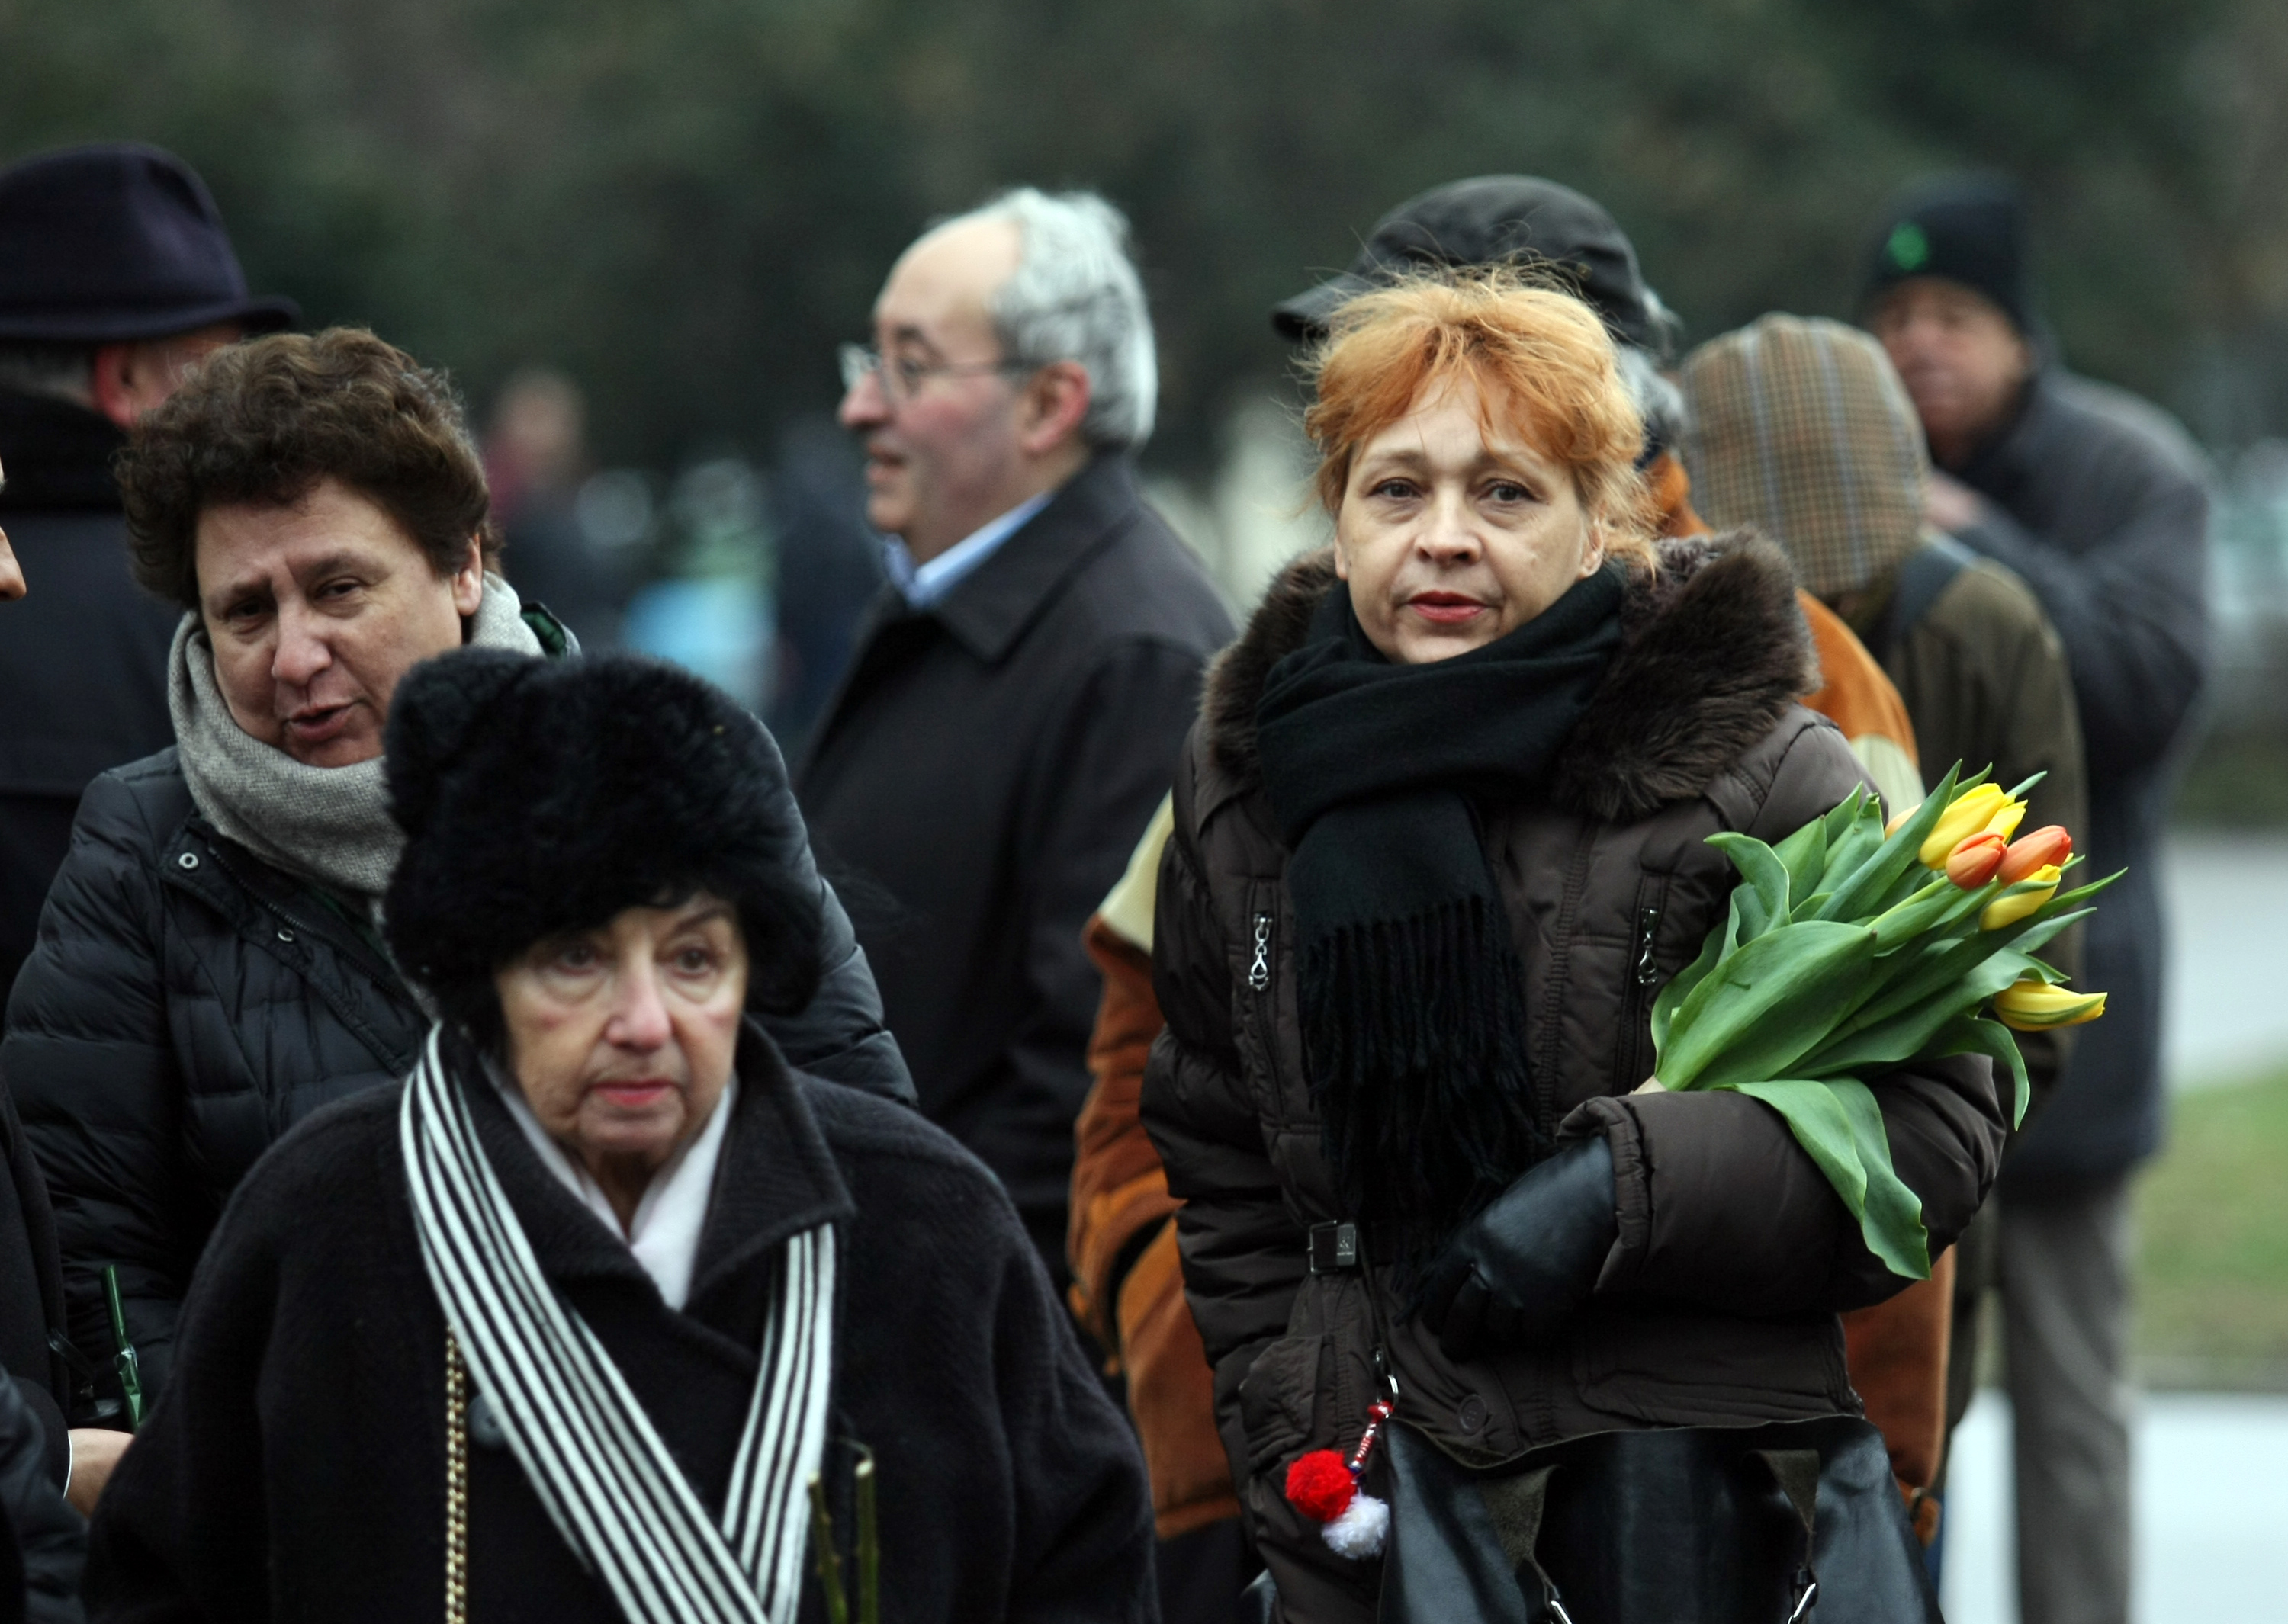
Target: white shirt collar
925 585
665 1234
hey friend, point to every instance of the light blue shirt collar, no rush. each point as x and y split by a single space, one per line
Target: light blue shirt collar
925 585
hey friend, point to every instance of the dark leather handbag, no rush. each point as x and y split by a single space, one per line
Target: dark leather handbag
1788 1522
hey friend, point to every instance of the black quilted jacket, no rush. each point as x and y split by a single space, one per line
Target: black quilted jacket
186 1004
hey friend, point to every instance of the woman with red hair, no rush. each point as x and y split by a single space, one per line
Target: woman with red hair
1440 838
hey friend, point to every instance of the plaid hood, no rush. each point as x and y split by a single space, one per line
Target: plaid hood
1800 428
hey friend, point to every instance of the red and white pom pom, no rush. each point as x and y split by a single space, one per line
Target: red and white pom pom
1324 1487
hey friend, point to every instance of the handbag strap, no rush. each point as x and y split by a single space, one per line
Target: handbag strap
457 1484
1796 1472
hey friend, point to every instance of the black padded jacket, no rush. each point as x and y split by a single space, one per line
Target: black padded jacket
185 1003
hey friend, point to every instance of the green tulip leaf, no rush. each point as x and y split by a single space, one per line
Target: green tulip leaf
1892 1223
1902 1036
1981 1035
1804 855
1763 871
1672 996
1846 812
1856 895
1766 1004
1839 1126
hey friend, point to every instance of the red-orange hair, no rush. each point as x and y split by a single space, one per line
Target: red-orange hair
1545 372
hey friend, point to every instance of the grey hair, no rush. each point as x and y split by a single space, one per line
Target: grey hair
1075 296
62 371
1657 400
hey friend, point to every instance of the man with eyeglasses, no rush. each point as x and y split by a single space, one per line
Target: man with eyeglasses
1021 688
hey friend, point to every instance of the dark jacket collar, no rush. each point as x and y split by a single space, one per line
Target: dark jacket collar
1715 651
56 457
776 1178
990 610
1996 466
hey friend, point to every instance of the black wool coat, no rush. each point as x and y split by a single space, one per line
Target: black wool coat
987 767
82 657
188 1003
296 1469
2101 503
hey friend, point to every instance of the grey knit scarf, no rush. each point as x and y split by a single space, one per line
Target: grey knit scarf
328 824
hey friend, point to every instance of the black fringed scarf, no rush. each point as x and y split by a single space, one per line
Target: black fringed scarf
1412 998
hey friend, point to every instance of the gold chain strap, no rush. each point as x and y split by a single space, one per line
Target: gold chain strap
457 1484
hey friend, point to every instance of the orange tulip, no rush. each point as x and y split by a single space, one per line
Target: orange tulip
1971 864
2045 848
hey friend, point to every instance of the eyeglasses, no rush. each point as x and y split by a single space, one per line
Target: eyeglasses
901 376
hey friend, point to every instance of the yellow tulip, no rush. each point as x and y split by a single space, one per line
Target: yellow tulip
2012 906
1968 814
2005 822
2031 1005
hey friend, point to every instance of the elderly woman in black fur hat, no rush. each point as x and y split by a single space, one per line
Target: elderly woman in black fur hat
1440 835
566 1327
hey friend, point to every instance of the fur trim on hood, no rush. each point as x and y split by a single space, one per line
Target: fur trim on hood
1713 652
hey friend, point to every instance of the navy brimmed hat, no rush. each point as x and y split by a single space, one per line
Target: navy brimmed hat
1497 219
1969 229
541 797
111 243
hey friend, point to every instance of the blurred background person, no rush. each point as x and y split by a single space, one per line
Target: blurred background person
208 970
1802 429
830 567
1013 709
536 456
115 278
2099 504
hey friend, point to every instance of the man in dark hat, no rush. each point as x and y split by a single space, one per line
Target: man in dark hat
116 277
2100 502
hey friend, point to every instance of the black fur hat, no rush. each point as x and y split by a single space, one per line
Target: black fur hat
539 796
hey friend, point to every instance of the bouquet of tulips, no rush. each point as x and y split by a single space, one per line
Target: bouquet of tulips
1851 948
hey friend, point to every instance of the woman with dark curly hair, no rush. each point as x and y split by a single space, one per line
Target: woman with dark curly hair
1440 836
208 969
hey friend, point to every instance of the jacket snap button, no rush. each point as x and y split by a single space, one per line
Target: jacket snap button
1472 1415
189 860
285 935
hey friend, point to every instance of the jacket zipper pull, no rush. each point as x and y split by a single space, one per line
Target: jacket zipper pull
1648 921
1259 973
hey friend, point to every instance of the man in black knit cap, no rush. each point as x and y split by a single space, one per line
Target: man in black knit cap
2099 501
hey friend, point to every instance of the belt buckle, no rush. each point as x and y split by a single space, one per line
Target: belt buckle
1334 1248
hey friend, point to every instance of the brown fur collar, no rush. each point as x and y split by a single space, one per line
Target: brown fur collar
1713 652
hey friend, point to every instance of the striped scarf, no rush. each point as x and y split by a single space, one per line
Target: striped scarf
585 1445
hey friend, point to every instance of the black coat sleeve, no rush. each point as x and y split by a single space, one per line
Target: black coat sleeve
49 1538
181 1535
2131 607
90 1062
840 1034
1104 764
1083 1545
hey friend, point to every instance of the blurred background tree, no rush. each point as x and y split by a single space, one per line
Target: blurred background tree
686 204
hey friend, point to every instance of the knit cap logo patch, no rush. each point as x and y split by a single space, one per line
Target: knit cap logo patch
1909 249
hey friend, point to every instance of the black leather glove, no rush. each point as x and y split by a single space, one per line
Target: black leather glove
1515 1274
